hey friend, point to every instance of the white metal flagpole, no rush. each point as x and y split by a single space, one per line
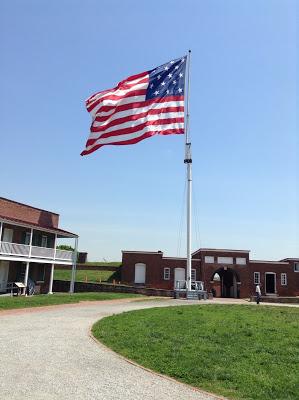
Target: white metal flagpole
188 162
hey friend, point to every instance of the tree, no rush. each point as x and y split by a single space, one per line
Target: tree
65 247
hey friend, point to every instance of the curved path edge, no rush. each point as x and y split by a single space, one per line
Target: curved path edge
151 371
47 354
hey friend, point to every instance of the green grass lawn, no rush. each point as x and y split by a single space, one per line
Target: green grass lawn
103 264
8 303
241 352
83 276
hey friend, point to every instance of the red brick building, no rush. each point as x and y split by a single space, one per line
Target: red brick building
28 239
228 273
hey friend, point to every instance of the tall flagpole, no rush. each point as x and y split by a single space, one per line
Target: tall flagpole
188 162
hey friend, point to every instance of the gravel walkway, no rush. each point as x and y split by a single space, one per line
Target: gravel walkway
48 354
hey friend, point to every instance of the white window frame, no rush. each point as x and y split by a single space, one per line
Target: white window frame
27 238
209 259
283 279
166 274
8 232
225 260
46 241
296 267
257 275
241 260
193 274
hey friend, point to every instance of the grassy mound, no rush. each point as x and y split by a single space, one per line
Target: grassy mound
86 275
242 352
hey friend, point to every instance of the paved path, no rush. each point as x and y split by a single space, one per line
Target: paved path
48 354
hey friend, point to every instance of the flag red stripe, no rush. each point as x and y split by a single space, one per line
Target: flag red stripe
131 93
105 94
133 77
128 85
139 104
124 85
129 79
173 106
134 117
135 140
134 129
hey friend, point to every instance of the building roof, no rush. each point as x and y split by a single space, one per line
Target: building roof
269 262
57 231
221 250
27 205
143 252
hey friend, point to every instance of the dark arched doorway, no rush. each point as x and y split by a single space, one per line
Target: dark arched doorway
225 283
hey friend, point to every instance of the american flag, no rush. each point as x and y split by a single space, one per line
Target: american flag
139 107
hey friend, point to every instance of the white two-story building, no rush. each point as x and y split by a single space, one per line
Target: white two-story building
28 246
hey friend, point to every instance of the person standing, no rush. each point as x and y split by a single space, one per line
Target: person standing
258 293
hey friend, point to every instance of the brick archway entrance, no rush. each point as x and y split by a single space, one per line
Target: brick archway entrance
225 283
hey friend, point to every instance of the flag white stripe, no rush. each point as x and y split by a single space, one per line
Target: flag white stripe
133 85
150 117
137 110
123 92
126 100
129 136
137 122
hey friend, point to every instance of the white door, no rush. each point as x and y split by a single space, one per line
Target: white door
179 275
4 267
140 273
7 235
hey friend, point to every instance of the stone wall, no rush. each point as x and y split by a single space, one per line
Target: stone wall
286 300
64 286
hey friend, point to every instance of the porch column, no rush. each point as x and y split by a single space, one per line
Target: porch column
74 266
26 277
1 229
51 280
30 243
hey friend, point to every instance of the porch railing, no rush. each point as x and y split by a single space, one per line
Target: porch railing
197 291
64 255
14 249
195 285
42 252
23 250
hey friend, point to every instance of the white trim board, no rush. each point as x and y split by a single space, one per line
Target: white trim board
35 260
221 250
268 262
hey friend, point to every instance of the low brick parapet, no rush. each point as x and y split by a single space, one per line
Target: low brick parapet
266 299
64 286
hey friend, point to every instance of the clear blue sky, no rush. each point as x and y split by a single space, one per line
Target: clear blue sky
54 54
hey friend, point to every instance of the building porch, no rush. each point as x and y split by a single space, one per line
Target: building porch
37 276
